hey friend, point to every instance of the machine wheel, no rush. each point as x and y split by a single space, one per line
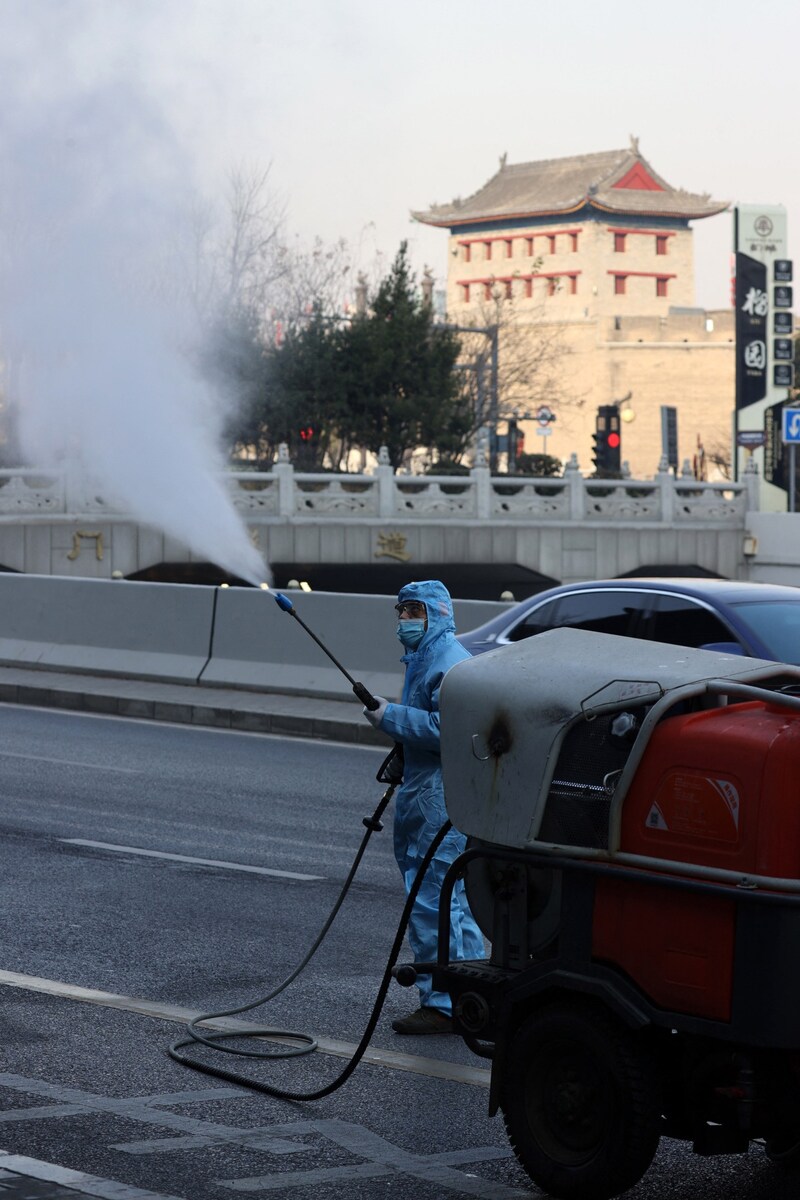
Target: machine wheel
581 1104
784 1153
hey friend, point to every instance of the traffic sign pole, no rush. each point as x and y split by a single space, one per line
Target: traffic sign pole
790 435
792 463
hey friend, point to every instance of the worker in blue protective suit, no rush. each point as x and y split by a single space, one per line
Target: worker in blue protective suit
427 631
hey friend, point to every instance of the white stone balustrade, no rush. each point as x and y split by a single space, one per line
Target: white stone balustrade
286 493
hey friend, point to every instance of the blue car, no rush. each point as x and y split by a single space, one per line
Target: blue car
761 620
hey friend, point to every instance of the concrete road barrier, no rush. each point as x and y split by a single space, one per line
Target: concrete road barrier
105 627
258 646
220 637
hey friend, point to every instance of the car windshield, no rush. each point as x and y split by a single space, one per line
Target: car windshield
777 624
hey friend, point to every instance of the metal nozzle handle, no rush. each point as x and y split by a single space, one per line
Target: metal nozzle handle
366 697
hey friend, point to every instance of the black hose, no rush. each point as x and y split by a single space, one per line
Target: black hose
309 1043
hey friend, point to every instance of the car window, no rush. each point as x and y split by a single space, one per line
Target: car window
777 624
680 621
534 622
617 612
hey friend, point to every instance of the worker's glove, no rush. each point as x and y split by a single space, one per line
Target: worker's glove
375 715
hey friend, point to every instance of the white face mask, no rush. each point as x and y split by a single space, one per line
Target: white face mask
411 633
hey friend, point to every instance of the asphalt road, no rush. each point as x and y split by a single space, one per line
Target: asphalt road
85 1082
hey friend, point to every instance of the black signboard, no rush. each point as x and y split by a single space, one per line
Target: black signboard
752 307
669 434
782 270
782 350
782 297
783 374
782 322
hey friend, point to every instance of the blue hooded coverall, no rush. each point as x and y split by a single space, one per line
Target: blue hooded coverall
419 802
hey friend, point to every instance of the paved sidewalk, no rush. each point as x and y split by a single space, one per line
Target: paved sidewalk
191 704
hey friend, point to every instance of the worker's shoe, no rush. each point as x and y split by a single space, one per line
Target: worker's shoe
424 1020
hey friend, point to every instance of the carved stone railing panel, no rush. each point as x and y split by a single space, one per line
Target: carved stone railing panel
430 496
92 501
710 502
31 492
540 499
336 495
622 501
254 493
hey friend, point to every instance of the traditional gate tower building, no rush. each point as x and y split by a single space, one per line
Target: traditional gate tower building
597 247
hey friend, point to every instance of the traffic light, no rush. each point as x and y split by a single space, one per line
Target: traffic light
307 433
607 442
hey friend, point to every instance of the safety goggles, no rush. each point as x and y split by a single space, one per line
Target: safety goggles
414 608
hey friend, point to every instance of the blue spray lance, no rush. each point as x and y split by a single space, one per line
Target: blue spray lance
366 697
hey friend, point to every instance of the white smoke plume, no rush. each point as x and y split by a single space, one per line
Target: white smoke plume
95 342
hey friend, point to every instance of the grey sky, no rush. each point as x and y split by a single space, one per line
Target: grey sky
368 109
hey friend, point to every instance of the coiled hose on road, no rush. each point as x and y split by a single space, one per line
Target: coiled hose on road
307 1042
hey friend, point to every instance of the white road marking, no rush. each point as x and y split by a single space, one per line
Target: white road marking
392 1059
69 762
187 858
79 1181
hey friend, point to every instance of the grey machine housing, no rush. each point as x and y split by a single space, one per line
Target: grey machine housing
540 739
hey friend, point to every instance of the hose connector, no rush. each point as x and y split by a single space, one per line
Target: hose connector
283 602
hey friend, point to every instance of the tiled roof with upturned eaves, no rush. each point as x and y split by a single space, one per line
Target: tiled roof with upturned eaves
565 185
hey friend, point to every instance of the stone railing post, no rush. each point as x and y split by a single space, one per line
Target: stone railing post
387 501
577 489
284 471
73 486
752 485
482 478
666 487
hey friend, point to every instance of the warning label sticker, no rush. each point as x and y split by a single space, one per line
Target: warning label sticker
655 818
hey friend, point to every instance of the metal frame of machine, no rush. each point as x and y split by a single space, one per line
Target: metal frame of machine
594 1054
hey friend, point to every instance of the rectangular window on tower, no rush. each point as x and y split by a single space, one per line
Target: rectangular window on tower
551 239
619 284
619 243
509 247
574 241
529 287
465 293
508 289
488 251
573 285
552 287
662 244
467 252
529 246
661 287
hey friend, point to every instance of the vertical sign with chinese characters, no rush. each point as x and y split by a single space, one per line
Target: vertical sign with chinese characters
764 324
752 311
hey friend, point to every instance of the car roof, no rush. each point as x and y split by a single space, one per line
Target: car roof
726 590
721 593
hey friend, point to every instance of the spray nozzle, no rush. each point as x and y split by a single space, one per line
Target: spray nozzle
283 602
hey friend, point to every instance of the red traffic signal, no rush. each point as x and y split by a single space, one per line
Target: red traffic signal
607 441
306 433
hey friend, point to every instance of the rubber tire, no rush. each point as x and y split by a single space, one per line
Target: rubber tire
581 1102
786 1157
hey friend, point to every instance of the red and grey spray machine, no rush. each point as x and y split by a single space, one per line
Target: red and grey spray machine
633 823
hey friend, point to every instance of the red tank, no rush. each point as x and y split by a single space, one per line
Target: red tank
717 788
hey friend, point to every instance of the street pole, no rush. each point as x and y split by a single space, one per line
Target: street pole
492 332
494 403
792 476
